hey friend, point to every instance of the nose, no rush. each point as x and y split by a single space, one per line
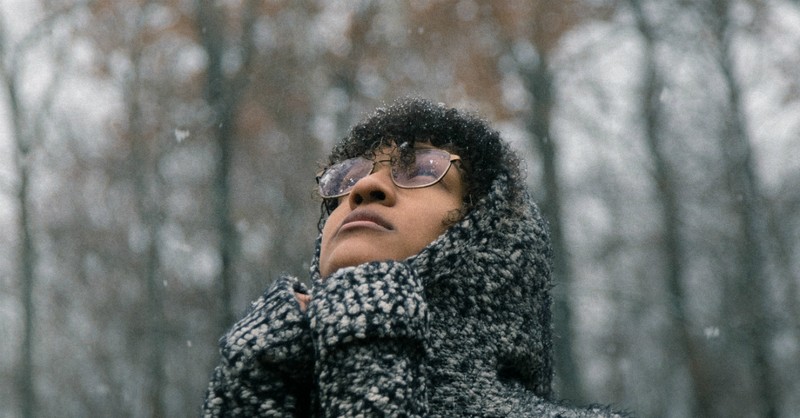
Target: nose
376 187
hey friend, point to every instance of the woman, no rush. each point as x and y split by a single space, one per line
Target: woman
430 287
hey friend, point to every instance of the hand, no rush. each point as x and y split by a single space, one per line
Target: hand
303 299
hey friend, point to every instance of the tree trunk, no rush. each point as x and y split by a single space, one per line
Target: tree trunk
671 219
144 173
539 82
210 21
27 260
750 290
26 254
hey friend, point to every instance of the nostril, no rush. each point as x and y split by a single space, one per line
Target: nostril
371 196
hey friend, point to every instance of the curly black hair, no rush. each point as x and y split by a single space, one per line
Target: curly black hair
484 155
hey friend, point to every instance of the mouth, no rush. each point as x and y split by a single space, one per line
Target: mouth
366 219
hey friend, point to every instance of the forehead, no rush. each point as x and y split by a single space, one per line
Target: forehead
394 148
351 148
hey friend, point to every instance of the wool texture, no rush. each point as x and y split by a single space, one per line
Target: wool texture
462 329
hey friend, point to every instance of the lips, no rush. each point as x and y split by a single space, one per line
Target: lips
365 217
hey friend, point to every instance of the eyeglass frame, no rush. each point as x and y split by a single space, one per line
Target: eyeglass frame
453 158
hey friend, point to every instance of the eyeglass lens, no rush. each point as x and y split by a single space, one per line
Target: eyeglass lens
429 166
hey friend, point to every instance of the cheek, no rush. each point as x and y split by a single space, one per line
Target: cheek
327 232
428 228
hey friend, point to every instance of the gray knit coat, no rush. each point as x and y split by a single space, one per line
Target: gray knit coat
462 329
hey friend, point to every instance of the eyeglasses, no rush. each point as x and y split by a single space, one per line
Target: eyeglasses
428 168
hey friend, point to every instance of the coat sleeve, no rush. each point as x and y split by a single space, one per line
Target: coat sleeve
266 360
368 325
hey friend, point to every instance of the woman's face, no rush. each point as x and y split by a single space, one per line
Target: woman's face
379 221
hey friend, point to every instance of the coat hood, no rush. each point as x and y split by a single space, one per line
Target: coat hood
487 282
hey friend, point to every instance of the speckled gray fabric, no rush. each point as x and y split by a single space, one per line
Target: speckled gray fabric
462 329
267 360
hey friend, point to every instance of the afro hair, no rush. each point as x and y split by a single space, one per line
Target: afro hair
484 155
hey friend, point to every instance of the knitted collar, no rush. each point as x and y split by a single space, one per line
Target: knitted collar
487 282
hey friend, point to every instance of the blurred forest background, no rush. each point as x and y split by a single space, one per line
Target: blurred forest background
157 164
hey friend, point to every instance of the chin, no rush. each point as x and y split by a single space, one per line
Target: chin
336 265
353 255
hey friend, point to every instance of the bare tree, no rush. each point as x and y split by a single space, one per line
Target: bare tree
223 93
673 243
25 131
749 294
146 184
27 256
539 82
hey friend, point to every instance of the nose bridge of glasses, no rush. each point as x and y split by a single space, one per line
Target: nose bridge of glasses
374 168
377 161
377 165
364 187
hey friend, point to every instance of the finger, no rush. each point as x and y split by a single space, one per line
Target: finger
303 300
